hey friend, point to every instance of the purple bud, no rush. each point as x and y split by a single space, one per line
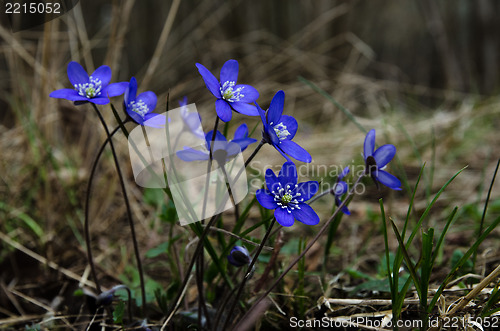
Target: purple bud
239 256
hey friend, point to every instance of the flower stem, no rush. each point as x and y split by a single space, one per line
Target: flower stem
304 252
248 273
86 223
256 150
129 211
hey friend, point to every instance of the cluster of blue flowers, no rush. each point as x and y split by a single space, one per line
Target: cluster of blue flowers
283 193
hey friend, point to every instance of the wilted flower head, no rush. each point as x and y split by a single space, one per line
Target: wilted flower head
377 160
140 107
229 94
280 129
94 88
287 198
239 256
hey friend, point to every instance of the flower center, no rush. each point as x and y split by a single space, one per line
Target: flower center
287 197
91 89
229 93
281 131
139 107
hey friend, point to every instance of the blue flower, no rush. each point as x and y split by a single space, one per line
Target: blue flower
94 88
229 94
239 256
221 147
279 130
341 188
376 161
287 198
140 107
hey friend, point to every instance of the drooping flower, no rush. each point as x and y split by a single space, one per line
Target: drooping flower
239 256
229 94
140 107
341 188
94 88
280 129
287 198
377 160
220 148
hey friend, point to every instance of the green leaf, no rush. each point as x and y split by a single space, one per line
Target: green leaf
118 312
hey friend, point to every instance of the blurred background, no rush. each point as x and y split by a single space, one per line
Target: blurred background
424 73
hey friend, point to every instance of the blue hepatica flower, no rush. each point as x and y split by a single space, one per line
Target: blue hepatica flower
341 188
94 88
279 130
229 94
287 198
140 107
376 161
220 146
239 256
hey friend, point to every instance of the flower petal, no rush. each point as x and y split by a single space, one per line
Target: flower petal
294 150
136 117
307 189
244 143
305 214
76 73
276 108
99 100
344 208
245 108
103 73
384 154
116 89
250 94
288 174
131 91
241 132
223 110
291 125
155 120
265 199
344 173
341 188
271 179
218 137
189 154
369 145
389 180
149 98
262 114
283 217
68 94
210 81
229 72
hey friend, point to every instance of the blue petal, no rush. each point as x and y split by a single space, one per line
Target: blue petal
241 132
103 73
344 173
68 94
232 148
136 117
99 100
244 143
262 115
295 151
223 110
189 154
271 180
369 145
210 81
283 217
250 94
76 73
291 125
218 137
183 102
384 155
155 120
229 72
149 98
389 180
276 108
341 188
307 189
344 208
265 199
305 214
131 91
116 89
288 174
245 108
